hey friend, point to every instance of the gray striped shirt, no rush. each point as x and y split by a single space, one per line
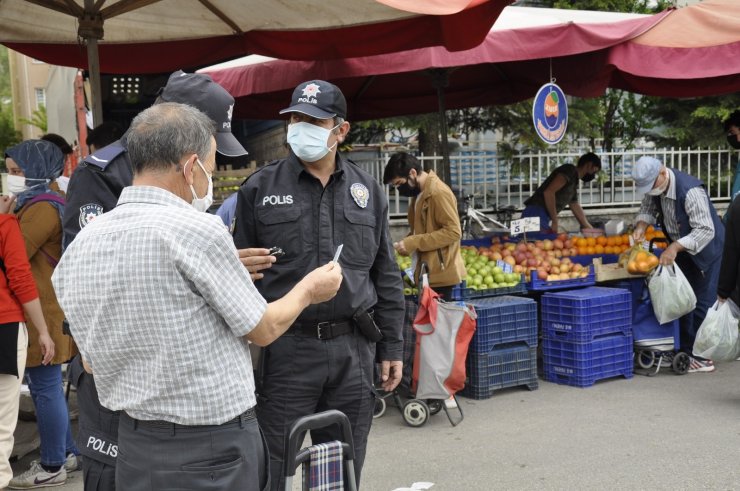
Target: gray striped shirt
158 303
696 207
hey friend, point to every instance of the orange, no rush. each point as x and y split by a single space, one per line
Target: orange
609 249
590 250
652 261
650 228
632 267
582 251
602 241
599 249
610 241
643 266
590 241
641 256
582 242
624 247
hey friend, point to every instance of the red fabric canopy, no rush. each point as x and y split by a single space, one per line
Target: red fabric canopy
466 27
509 66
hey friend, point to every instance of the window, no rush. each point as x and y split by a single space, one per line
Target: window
40 98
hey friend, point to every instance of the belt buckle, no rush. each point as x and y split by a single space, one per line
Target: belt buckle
319 327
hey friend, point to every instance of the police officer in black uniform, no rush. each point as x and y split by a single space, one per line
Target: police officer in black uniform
309 204
94 188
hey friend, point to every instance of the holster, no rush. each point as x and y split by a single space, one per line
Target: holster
366 325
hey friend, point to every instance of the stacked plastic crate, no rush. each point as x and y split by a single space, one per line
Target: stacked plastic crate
503 351
586 335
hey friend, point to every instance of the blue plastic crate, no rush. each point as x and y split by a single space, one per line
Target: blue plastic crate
538 285
581 315
503 320
462 292
510 365
582 364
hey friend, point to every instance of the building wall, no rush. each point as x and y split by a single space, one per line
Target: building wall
27 75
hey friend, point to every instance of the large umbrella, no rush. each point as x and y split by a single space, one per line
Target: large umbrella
694 52
523 50
154 36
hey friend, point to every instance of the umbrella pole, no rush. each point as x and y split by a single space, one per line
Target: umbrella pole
93 63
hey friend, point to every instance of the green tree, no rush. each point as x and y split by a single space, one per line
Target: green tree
9 136
38 119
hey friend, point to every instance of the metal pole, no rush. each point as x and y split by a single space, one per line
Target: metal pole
93 63
91 30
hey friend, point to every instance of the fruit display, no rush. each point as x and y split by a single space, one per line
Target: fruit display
404 263
484 273
549 259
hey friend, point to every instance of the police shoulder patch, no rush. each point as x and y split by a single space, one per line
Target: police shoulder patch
360 194
88 213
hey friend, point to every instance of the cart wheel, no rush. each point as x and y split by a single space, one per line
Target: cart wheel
681 363
379 409
645 359
435 406
415 412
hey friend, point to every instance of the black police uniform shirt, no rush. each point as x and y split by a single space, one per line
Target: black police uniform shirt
283 205
95 186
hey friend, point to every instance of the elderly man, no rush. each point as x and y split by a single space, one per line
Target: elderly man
162 310
696 235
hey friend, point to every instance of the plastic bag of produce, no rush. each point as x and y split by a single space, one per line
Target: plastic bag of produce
671 293
717 338
638 260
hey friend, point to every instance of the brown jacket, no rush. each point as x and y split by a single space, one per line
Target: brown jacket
435 233
42 231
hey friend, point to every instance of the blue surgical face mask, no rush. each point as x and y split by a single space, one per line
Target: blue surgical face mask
308 141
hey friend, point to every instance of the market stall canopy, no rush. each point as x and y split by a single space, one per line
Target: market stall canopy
525 47
694 52
156 36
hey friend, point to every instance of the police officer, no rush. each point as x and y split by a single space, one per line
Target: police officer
309 204
94 189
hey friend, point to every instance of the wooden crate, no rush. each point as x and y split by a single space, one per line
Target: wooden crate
612 271
226 182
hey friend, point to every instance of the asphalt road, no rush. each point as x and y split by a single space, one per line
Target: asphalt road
666 432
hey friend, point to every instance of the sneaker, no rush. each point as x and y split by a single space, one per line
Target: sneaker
71 464
697 365
37 477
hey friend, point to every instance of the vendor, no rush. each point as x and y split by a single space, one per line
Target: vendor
559 190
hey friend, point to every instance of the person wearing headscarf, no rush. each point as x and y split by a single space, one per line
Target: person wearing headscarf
33 167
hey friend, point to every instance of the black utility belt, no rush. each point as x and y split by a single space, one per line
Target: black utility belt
247 415
322 330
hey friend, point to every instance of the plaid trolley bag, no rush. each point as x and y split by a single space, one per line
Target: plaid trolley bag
443 333
326 466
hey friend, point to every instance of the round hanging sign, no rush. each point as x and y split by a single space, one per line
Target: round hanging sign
550 113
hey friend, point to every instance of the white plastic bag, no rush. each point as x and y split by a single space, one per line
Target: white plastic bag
717 338
671 293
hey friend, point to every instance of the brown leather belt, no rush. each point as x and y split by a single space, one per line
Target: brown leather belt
322 330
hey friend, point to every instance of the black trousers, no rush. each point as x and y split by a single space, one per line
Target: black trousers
303 376
228 457
98 476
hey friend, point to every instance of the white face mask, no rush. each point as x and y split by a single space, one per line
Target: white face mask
660 190
17 184
202 204
308 141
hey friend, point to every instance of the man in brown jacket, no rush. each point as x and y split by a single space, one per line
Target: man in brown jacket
433 221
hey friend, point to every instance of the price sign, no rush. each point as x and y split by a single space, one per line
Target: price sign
529 224
505 267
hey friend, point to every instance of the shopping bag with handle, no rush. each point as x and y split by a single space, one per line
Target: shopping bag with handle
671 293
717 338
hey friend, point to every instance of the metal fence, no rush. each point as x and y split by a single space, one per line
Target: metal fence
500 182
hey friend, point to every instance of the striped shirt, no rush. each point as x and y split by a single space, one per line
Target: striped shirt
697 209
158 303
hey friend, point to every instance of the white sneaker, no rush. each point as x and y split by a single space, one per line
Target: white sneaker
697 365
37 477
71 464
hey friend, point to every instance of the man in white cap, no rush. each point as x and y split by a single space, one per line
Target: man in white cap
679 203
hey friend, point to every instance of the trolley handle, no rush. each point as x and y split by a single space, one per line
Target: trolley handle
314 422
654 240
